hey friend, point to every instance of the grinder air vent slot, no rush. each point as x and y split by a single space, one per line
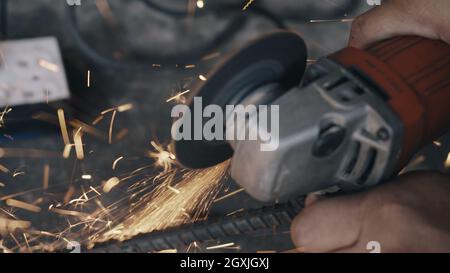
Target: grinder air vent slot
356 147
370 163
333 83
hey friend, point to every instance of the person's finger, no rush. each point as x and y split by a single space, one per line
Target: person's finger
389 20
329 225
312 198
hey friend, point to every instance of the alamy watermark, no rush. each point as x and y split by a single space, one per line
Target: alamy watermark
73 2
373 2
373 247
234 122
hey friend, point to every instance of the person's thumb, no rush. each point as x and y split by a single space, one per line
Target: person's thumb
329 224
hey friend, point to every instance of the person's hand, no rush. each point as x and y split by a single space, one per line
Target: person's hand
426 18
411 214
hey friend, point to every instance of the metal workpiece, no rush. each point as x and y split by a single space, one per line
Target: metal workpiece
273 220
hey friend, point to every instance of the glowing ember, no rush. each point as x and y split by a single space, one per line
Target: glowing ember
86 177
200 4
10 226
3 115
88 78
163 158
248 4
46 176
163 208
22 205
115 162
220 246
63 126
48 65
78 144
110 184
178 97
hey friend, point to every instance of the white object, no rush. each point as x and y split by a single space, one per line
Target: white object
31 71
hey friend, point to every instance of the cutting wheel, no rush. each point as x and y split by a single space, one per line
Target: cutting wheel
278 58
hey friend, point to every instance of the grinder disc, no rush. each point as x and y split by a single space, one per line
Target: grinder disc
278 58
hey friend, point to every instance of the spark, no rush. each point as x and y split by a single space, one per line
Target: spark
220 246
4 169
48 65
94 190
63 126
3 114
437 143
173 250
202 78
115 162
66 152
77 138
16 173
86 128
26 241
88 78
8 226
178 96
163 208
200 4
46 176
68 212
163 158
229 195
69 194
247 5
236 211
173 189
111 125
418 160
346 20
22 205
125 107
86 177
74 123
211 56
110 184
97 120
120 108
193 245
190 66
